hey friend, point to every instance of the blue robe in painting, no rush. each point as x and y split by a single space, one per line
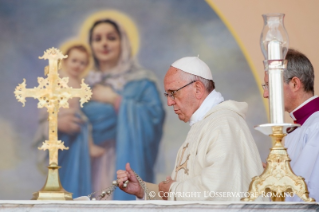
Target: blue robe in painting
137 128
75 171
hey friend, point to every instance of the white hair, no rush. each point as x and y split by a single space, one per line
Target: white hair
208 84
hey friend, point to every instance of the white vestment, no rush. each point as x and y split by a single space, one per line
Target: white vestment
221 157
303 149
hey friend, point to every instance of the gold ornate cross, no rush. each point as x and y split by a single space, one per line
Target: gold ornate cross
182 165
53 93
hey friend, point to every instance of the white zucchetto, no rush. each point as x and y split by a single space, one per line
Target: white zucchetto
195 66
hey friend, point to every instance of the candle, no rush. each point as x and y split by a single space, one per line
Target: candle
275 50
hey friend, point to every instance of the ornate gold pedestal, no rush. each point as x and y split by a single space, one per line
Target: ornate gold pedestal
52 189
278 177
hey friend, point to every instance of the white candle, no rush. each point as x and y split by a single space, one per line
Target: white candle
274 50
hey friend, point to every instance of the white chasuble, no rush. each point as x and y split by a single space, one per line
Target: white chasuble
219 157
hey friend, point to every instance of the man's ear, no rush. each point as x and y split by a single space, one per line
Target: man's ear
200 89
296 84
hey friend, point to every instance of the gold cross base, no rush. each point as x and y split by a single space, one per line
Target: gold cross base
52 190
278 177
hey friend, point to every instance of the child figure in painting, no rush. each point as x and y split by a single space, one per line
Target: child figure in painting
74 67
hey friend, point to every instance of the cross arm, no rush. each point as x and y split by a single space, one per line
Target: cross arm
84 92
21 92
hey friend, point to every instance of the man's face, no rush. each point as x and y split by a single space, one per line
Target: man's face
184 102
287 93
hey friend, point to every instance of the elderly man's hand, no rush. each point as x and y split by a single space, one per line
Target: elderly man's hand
164 187
133 187
264 165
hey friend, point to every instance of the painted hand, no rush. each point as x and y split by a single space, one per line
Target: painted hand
69 123
104 94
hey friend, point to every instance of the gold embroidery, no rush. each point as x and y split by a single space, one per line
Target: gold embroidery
182 165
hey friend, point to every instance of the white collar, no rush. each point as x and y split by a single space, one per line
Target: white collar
300 106
213 99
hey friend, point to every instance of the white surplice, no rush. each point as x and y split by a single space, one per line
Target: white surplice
303 148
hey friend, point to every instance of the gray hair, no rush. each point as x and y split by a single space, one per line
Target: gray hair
209 84
299 66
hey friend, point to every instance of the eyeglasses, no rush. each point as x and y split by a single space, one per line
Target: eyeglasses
171 93
265 86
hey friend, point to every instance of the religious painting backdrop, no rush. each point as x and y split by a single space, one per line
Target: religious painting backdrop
159 33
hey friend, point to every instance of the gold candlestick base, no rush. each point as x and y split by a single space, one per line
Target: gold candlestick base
278 176
52 190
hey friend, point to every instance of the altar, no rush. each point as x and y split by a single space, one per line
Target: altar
144 138
96 206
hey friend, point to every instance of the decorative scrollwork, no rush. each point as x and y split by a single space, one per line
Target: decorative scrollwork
278 177
58 145
20 92
87 93
53 54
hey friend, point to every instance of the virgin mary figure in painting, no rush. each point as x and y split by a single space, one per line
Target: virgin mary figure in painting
126 112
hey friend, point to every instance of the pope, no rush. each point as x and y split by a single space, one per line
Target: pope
219 155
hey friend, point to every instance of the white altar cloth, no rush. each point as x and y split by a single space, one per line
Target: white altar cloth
97 206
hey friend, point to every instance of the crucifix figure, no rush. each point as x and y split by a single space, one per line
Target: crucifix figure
53 93
182 165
